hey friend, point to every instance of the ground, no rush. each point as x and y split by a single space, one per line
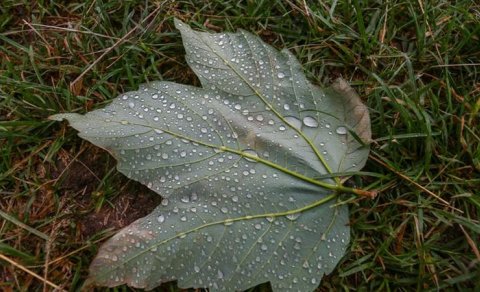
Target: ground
414 63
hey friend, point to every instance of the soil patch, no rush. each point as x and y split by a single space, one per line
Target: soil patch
82 178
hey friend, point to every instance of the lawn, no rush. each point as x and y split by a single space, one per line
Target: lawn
414 63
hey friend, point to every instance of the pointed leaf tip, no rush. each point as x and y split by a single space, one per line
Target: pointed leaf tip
61 117
56 117
180 25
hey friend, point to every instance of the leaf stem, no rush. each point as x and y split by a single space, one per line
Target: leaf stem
336 187
358 192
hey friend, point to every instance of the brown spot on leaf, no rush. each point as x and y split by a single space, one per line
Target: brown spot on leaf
356 112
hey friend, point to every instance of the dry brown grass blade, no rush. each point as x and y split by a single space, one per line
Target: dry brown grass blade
471 242
33 274
404 177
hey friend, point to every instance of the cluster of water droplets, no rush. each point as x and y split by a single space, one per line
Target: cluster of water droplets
199 240
265 81
229 219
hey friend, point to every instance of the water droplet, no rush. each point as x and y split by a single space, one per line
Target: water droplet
196 269
250 153
217 150
280 75
341 130
293 216
220 274
286 106
296 123
194 197
258 226
161 219
310 122
131 104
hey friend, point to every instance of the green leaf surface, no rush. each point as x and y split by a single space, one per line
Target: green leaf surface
246 165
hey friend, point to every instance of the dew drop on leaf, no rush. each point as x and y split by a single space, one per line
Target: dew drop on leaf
293 216
161 219
295 122
250 154
341 130
310 122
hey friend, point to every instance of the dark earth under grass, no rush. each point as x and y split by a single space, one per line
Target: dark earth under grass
416 64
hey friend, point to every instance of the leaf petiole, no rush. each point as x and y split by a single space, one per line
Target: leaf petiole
335 187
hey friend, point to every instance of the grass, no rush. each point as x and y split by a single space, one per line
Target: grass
415 63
